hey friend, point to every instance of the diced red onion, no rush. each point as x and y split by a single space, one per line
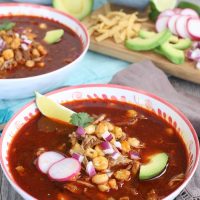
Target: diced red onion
109 174
80 131
196 45
27 41
24 46
78 157
90 169
107 136
134 155
115 155
107 147
2 44
194 54
24 37
189 54
118 145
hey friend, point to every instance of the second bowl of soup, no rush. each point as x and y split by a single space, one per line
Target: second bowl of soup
39 47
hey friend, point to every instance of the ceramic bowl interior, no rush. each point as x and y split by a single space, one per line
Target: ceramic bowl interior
119 93
11 88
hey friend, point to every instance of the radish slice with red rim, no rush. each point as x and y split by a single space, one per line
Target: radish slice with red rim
189 12
168 13
64 170
161 23
181 26
172 24
47 159
193 27
177 10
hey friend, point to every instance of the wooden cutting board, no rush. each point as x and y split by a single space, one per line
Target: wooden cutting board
186 71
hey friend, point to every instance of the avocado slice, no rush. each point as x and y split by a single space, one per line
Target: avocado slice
176 56
77 8
148 34
139 44
183 44
53 36
154 167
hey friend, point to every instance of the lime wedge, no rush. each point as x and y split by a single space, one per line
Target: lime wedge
52 109
161 5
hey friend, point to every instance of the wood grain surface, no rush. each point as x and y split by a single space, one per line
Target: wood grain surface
186 71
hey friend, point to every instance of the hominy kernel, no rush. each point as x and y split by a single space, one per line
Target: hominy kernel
100 179
131 113
30 63
99 150
42 26
122 175
103 187
100 163
134 142
41 64
42 50
35 53
90 129
113 184
118 132
125 146
8 54
91 153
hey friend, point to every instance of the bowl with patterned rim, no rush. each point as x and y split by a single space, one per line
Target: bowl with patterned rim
11 88
142 99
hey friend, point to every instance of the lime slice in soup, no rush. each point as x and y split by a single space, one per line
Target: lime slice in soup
77 8
52 109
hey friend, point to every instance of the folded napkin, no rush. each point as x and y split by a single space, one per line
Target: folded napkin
146 76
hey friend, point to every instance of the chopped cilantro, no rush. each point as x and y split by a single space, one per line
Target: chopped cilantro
6 25
81 119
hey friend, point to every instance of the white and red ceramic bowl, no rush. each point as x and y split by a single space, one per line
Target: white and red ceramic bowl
119 93
11 88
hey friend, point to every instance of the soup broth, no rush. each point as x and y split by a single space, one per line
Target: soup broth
43 134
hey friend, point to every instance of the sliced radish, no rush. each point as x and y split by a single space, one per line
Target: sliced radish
64 170
172 24
167 13
181 26
189 12
161 23
193 27
47 159
177 11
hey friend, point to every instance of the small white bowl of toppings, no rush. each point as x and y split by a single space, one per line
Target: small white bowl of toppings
39 46
106 142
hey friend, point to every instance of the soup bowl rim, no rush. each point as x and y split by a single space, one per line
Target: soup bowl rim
129 89
50 9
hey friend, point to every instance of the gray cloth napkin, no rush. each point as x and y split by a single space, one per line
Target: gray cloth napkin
146 76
